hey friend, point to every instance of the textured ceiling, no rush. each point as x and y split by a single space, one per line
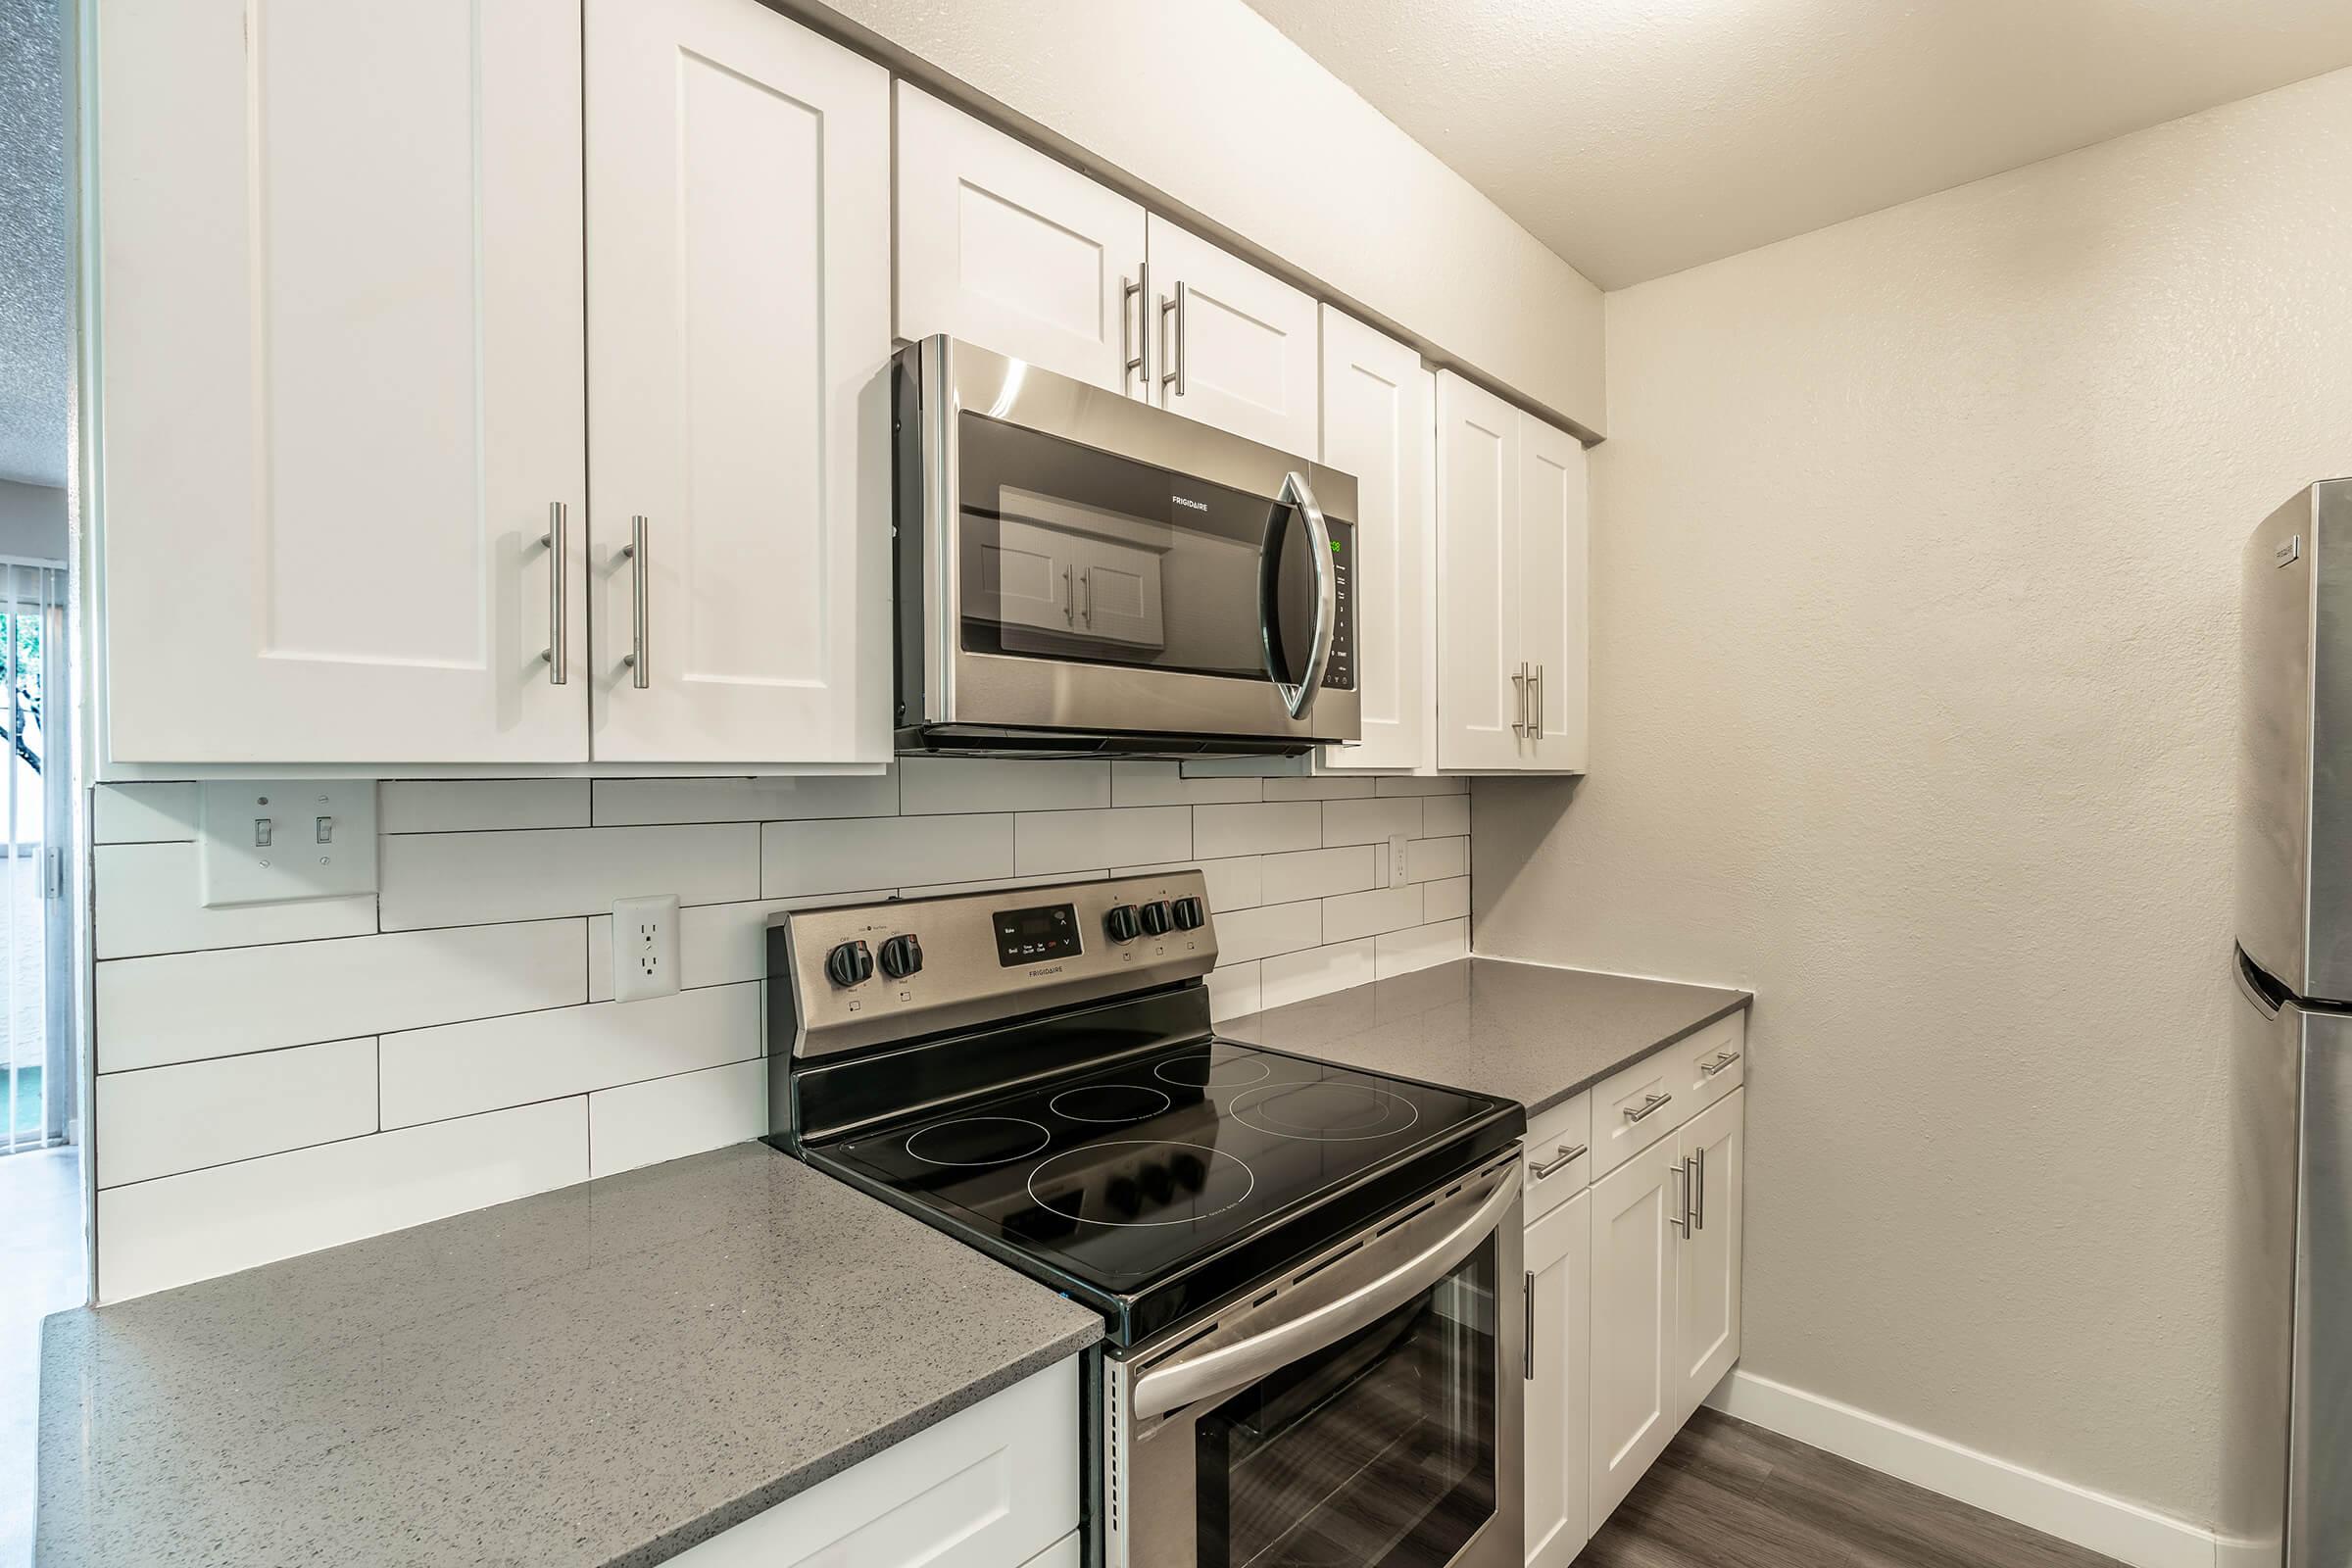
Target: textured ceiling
36 312
1639 137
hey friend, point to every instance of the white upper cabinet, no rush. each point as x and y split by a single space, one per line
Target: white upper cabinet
1377 413
1003 247
1481 684
1231 346
738 324
340 379
1512 531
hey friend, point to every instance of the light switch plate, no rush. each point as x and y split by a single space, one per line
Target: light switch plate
281 841
645 947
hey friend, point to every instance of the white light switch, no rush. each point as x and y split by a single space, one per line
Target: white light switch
280 841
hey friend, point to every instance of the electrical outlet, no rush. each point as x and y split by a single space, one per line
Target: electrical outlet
645 947
1396 843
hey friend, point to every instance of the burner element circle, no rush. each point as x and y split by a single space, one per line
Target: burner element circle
1324 1110
1108 1103
1207 1072
977 1141
1147 1182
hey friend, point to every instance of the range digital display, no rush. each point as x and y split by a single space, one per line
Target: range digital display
1030 936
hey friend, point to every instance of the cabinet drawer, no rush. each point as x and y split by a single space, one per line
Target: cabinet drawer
1713 1063
991 1486
1558 1143
1638 1104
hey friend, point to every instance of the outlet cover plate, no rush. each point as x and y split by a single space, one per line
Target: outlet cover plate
321 839
645 947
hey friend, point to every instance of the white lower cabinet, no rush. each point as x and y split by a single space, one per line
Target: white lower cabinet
993 1485
1559 1363
1634 1295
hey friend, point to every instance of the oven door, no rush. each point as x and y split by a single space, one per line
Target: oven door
1101 565
1364 1410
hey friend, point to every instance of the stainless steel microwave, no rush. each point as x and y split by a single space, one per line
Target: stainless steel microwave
1079 573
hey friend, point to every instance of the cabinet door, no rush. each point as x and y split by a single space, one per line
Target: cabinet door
1478 650
1637 1249
1707 1318
1003 247
1378 405
738 324
1232 346
341 364
1558 1370
1553 541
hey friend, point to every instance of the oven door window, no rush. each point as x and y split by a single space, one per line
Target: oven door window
1378 1452
1083 556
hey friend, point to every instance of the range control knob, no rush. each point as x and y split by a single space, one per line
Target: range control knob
849 964
1189 915
1121 925
1156 919
902 957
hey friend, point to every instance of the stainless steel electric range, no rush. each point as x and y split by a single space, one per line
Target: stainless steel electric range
1310 1276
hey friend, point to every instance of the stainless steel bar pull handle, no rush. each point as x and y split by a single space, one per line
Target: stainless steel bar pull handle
1136 363
1069 595
1535 707
1698 1187
1527 1328
1651 1106
1086 591
1569 1155
1681 1218
1172 357
558 566
641 675
1723 1061
1519 699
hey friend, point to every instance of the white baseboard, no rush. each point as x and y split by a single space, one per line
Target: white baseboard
2124 1531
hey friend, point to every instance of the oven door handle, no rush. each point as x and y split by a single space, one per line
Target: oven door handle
1244 1361
1297 495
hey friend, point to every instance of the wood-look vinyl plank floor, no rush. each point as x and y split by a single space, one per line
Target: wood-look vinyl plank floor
1726 1494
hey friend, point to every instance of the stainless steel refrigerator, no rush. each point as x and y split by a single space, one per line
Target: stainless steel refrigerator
2287 1434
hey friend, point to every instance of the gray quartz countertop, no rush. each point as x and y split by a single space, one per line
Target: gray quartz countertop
602 1375
1521 1030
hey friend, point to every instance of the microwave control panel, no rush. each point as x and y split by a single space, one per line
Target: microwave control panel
1341 676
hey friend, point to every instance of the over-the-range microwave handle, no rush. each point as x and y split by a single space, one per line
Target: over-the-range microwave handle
1244 1361
1298 495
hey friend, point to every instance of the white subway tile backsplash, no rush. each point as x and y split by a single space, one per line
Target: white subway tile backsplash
1266 829
642 802
1434 859
145 813
460 1069
667 1118
797 857
145 899
190 1005
1071 841
1392 785
933 890
930 785
1319 873
1316 971
1446 816
469 805
443 879
166 1232
1166 784
1270 928
1233 884
1321 787
1441 942
169 1119
1364 914
1372 821
1444 900
1233 990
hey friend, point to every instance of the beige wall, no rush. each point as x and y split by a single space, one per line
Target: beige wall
1913 689
1208 107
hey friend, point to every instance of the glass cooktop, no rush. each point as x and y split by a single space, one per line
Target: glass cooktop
1120 1177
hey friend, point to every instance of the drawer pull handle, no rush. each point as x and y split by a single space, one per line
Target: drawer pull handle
1569 1156
1723 1061
1649 1104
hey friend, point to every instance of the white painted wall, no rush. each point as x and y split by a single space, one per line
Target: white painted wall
32 521
1914 595
1208 106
